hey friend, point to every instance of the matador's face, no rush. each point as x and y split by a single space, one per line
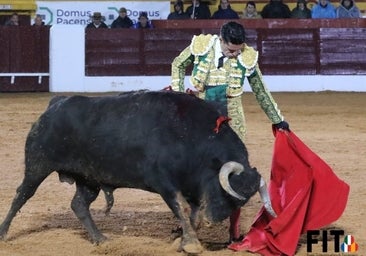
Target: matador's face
230 50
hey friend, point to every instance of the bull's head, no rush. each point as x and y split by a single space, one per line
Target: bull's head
236 168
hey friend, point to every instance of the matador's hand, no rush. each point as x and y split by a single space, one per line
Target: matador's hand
282 125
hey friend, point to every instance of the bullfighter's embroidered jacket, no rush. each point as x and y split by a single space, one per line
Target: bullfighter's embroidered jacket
201 52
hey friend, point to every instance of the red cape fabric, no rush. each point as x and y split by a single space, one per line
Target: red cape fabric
305 193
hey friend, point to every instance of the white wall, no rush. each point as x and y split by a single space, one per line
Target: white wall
67 72
67 58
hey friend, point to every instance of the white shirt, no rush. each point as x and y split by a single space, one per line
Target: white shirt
218 52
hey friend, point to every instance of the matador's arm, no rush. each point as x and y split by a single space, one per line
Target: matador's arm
264 97
179 65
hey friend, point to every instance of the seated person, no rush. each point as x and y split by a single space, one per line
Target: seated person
123 21
178 13
250 11
323 10
301 11
13 20
348 9
224 11
143 21
276 9
38 21
198 10
97 21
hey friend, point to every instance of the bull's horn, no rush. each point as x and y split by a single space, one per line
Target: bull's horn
265 198
225 171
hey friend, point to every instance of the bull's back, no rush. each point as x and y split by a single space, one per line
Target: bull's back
133 114
120 135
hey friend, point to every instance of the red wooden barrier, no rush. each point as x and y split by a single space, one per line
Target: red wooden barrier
286 46
128 52
112 52
24 49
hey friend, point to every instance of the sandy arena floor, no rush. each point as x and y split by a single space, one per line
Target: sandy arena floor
332 124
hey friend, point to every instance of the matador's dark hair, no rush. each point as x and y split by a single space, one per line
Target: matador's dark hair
233 32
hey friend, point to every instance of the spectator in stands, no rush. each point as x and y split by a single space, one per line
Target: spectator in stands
178 13
143 21
276 9
323 10
38 21
348 9
224 11
301 11
250 11
123 21
198 10
97 21
13 20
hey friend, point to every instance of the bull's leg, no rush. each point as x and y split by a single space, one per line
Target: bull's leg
179 206
196 219
80 204
109 198
234 230
25 191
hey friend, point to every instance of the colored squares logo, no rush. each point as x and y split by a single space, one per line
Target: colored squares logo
349 244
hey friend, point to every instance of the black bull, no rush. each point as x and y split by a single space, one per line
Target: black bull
162 142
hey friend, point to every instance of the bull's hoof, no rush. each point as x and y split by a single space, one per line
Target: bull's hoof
177 245
2 237
99 240
3 233
107 211
193 248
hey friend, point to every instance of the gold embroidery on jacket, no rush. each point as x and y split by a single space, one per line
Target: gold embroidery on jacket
201 53
263 97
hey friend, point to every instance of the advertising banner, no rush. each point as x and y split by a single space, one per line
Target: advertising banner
79 12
